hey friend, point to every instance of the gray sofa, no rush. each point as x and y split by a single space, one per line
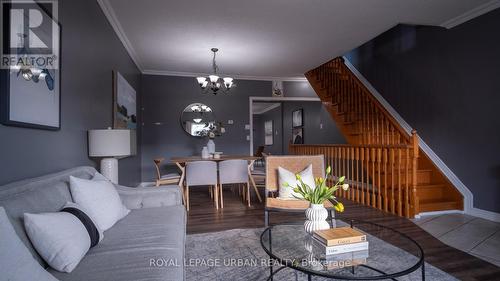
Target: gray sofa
148 244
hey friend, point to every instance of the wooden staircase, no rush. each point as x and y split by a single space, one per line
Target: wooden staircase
383 163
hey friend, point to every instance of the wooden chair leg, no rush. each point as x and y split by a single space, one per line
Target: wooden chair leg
183 193
157 183
216 195
187 198
221 197
248 194
211 192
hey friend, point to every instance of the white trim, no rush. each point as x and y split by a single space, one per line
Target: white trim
250 107
492 216
269 108
240 77
438 213
476 12
108 11
459 185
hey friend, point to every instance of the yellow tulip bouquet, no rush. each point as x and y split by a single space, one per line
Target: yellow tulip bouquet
322 192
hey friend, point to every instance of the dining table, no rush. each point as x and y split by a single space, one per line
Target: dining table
180 162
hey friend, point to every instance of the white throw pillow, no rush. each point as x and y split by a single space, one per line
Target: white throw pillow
101 200
60 238
16 262
285 176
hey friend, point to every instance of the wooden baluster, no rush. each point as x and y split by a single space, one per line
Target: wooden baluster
368 187
363 167
356 156
415 147
398 166
351 191
379 178
391 165
344 167
386 202
374 187
407 183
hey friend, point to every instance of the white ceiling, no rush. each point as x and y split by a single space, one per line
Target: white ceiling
265 39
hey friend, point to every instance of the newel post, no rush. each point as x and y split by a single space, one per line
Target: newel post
415 151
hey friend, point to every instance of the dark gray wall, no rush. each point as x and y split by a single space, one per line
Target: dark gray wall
90 51
259 138
164 99
319 127
298 89
445 83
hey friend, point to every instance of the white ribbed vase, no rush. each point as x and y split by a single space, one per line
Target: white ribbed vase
316 216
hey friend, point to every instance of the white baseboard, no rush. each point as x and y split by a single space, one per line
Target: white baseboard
438 213
488 215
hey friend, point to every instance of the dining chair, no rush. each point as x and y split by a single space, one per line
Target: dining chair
258 153
171 178
202 173
295 164
234 171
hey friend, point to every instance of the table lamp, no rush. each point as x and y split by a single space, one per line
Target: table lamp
111 144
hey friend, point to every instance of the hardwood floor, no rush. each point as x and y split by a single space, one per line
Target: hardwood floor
203 217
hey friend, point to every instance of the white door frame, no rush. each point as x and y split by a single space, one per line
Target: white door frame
270 99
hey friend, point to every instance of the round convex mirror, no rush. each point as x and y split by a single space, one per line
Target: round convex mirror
197 119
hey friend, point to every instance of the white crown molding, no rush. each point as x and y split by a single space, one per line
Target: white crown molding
466 193
240 77
108 11
467 16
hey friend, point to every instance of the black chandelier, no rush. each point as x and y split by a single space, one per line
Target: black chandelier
213 83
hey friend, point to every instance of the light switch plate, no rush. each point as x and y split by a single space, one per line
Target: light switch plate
248 138
247 126
230 122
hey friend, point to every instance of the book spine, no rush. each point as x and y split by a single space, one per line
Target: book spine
342 241
339 249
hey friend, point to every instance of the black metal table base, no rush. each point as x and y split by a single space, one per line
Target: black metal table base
309 276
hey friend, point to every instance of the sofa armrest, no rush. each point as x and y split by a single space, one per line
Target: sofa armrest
150 197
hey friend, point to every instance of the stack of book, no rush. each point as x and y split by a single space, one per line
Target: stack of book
341 247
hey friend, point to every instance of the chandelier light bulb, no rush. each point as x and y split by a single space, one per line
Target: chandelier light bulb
201 80
213 78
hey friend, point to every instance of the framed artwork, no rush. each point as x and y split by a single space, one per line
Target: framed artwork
268 133
30 74
297 118
298 136
124 103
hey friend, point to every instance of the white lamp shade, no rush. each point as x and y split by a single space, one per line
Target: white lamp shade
201 80
111 143
213 78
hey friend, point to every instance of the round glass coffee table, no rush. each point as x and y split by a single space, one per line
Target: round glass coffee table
390 253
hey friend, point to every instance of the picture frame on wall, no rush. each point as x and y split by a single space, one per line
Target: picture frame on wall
30 83
298 136
297 118
268 133
124 103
